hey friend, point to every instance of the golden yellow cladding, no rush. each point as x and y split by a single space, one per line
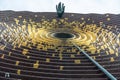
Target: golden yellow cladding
47 59
61 67
77 61
18 71
10 53
3 55
36 65
17 63
25 51
34 32
112 59
72 56
108 19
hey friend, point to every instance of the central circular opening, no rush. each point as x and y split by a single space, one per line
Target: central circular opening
63 35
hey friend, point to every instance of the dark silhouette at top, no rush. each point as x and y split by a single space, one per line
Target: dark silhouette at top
60 9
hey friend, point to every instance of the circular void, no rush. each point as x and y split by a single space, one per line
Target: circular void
63 35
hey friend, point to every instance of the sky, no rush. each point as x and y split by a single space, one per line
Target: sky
72 6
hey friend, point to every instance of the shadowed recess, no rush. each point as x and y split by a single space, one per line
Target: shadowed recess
63 35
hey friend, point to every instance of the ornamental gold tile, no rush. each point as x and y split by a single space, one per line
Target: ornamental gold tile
47 59
25 51
3 55
17 63
53 55
61 67
112 59
20 16
72 56
28 57
36 65
108 19
82 18
107 52
18 71
2 47
77 61
37 61
94 57
10 53
111 51
117 54
61 58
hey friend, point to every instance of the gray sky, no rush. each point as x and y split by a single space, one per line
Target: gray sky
74 6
